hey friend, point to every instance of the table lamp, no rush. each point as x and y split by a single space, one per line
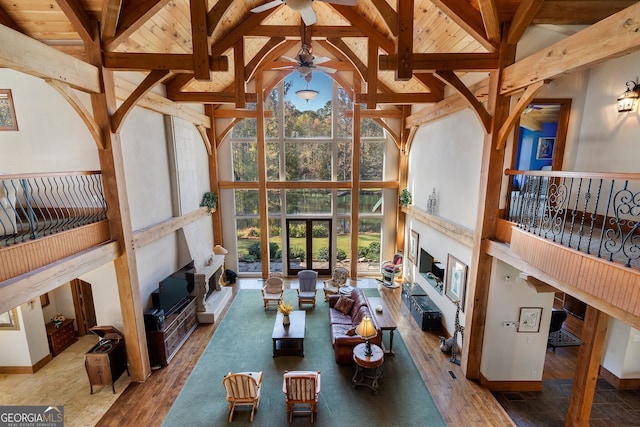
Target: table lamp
366 330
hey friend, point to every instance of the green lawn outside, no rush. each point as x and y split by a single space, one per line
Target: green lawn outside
343 242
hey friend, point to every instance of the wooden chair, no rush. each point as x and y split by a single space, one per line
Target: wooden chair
301 390
333 285
272 291
243 388
308 280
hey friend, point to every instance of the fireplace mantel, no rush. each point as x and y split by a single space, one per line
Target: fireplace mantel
207 308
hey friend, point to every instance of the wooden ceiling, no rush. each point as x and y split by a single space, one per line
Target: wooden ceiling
210 51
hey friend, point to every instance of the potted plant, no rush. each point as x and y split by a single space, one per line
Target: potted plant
210 200
405 197
286 309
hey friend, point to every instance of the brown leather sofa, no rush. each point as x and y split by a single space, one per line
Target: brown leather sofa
342 325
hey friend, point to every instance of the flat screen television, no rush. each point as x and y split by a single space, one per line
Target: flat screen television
174 289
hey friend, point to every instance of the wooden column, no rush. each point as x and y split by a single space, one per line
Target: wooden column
355 178
262 177
488 211
118 213
214 180
590 354
403 175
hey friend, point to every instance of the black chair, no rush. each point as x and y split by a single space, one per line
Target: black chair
557 319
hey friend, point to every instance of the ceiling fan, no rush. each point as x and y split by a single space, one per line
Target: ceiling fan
305 62
302 6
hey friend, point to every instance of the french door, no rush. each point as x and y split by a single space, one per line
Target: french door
309 245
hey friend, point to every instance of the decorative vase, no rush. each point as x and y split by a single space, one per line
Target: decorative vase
285 320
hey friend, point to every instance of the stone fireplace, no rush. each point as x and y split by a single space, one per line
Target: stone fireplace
211 296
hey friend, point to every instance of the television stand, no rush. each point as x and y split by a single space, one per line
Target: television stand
179 324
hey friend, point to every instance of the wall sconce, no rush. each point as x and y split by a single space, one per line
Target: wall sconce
628 100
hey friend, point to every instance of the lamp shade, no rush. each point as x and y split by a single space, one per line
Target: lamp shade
219 250
365 329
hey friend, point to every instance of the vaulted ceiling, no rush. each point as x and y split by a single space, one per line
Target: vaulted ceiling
210 51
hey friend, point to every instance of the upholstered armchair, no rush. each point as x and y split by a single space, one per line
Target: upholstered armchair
301 390
243 388
308 280
272 291
391 269
338 279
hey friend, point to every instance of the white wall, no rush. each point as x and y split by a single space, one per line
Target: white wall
48 130
508 355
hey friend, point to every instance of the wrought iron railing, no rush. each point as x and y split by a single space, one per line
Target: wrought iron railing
37 205
595 213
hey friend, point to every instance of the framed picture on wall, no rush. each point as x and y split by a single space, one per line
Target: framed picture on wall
545 148
413 246
456 280
529 319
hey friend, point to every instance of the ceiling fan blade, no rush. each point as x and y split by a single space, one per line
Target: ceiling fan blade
308 15
288 58
267 6
342 2
326 70
321 60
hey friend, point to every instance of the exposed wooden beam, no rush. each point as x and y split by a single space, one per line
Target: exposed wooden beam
6 19
340 48
476 106
200 40
610 38
205 138
536 284
399 98
378 114
388 14
152 79
132 17
434 84
467 17
215 15
177 81
594 332
246 22
160 104
427 62
391 132
84 113
372 73
78 17
210 97
365 26
238 65
404 41
272 50
578 12
109 18
22 53
228 113
144 236
220 137
176 62
522 103
522 19
489 13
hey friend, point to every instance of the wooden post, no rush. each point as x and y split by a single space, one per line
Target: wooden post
355 179
262 177
214 182
593 334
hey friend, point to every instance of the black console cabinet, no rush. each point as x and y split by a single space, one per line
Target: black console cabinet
163 344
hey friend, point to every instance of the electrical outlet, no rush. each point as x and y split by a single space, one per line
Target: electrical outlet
509 324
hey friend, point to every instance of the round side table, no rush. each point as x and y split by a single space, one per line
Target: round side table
368 368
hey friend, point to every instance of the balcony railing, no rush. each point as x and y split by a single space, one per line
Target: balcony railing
595 213
37 205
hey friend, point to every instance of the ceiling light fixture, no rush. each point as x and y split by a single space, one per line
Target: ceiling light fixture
628 100
307 93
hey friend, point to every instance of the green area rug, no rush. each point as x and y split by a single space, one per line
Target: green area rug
243 342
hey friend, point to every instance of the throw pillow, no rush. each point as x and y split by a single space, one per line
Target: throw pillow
344 304
351 331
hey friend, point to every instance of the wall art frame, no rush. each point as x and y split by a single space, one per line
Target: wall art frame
529 319
455 286
414 239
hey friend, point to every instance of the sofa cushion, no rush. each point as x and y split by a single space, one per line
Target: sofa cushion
344 304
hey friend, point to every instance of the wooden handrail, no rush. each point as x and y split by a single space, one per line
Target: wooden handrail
575 174
50 174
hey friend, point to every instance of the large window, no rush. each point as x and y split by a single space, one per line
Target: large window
308 141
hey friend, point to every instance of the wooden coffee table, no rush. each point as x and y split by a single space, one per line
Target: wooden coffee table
384 321
289 340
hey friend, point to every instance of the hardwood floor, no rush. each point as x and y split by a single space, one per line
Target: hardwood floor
460 401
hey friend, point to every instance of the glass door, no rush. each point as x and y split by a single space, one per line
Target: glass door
309 245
